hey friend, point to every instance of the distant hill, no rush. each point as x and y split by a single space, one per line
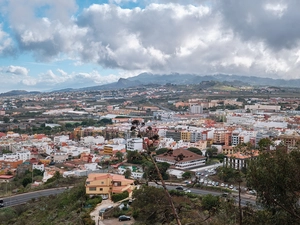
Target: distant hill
185 79
176 79
18 92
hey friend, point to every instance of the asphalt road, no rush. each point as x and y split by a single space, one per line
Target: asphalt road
25 197
244 199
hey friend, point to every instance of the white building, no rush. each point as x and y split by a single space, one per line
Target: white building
274 108
91 166
62 138
93 140
135 144
37 166
24 155
196 109
74 150
136 173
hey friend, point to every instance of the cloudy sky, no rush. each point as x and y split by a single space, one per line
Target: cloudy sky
52 44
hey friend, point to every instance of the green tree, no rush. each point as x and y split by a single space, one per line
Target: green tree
210 202
195 150
6 119
119 155
134 157
151 174
226 173
26 181
210 152
275 175
161 151
127 173
265 143
151 206
187 174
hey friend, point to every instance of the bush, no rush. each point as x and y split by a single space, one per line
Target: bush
119 197
94 201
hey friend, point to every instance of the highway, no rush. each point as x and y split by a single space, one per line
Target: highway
25 197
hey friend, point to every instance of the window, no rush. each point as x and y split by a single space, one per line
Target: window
102 182
92 189
87 182
101 189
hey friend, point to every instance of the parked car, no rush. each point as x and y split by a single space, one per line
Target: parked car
104 197
103 210
222 185
1 203
179 188
124 218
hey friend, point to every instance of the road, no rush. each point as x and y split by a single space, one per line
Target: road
244 198
25 197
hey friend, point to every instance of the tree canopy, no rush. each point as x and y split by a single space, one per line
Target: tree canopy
195 150
275 175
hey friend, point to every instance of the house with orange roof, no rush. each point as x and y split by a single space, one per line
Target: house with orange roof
239 160
106 184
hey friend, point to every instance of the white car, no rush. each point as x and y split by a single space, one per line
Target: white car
222 185
187 191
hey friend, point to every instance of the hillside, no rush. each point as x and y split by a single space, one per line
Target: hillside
63 209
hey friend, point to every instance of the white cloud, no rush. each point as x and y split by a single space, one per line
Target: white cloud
201 37
6 43
17 70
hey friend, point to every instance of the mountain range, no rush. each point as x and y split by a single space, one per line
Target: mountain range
177 79
187 79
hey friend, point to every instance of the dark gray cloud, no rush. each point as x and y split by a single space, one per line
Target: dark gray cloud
273 22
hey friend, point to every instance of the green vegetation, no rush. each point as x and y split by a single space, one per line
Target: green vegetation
276 178
119 197
68 208
195 150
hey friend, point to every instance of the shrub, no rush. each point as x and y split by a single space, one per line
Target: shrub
119 197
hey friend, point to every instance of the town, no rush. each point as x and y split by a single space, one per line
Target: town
89 135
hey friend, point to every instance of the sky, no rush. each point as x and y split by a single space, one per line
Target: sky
54 44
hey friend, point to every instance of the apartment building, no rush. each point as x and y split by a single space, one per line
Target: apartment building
196 109
273 108
135 144
227 150
219 136
185 136
175 134
195 136
290 140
